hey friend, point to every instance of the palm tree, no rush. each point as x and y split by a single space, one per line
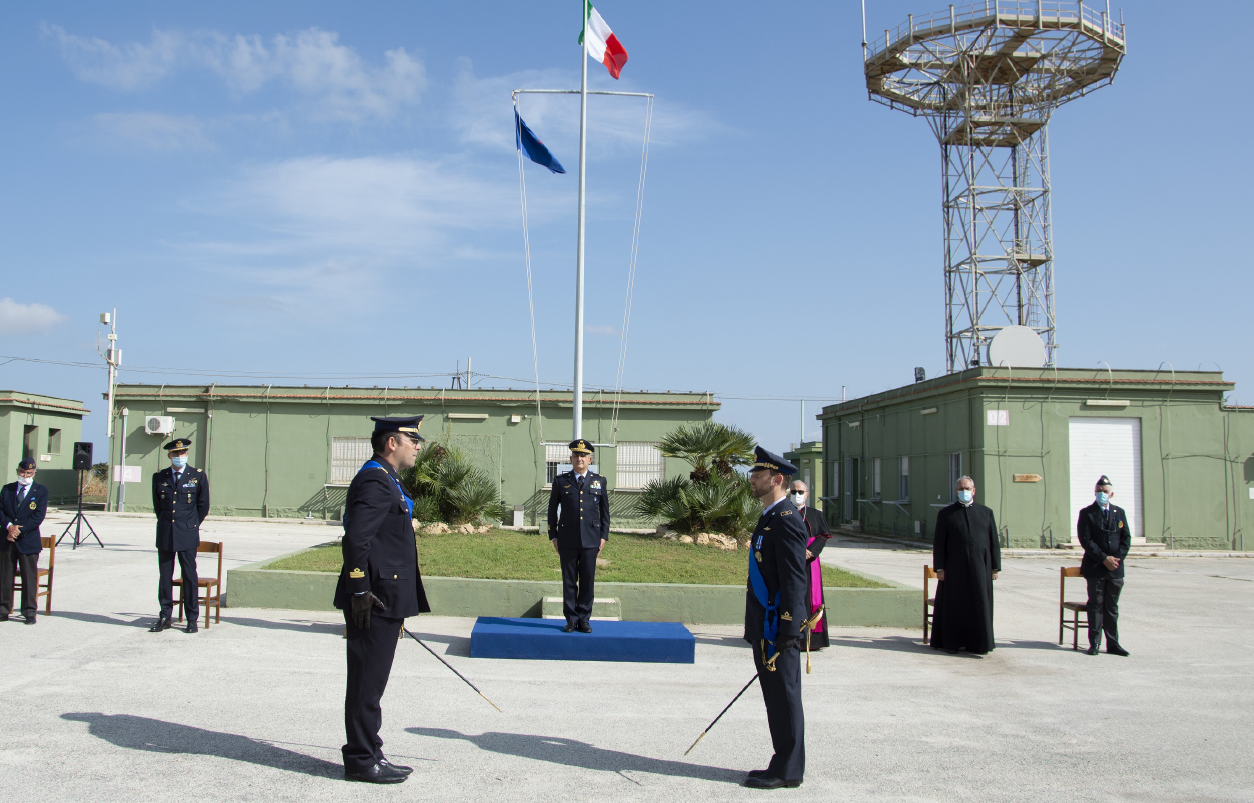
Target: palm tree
446 487
712 449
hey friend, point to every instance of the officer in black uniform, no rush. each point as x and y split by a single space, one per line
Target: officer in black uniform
379 586
23 505
580 533
1106 538
180 497
776 604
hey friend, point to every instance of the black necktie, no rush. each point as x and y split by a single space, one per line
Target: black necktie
21 494
580 478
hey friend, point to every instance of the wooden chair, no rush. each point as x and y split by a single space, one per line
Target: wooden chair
1075 607
212 599
43 577
929 602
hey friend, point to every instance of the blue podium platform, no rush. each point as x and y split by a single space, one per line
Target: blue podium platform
543 640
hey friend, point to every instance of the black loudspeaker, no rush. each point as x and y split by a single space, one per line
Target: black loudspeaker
82 456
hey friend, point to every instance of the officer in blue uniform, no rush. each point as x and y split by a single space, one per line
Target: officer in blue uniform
379 586
1105 536
776 605
579 533
180 497
23 505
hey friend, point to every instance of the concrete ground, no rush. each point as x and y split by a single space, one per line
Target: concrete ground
96 708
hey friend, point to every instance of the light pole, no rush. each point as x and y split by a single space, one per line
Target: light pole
112 356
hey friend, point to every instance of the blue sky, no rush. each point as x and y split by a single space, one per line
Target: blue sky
307 188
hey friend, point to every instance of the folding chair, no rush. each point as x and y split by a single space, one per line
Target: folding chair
212 586
1075 607
928 602
43 577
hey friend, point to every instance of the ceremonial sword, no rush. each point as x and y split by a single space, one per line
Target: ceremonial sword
451 669
806 626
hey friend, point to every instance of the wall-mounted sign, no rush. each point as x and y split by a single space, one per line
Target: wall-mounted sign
132 474
999 418
1028 477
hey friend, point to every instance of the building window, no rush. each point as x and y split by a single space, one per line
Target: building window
30 442
638 464
851 479
903 479
54 441
877 487
955 471
347 457
555 454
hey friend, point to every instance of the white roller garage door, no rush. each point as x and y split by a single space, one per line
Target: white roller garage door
1110 446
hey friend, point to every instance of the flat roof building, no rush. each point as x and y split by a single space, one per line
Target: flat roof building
43 428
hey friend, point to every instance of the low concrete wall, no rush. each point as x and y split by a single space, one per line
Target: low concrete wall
896 606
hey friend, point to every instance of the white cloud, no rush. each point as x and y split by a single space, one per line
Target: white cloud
334 80
25 319
150 130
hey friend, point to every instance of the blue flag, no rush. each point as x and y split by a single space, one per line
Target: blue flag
531 145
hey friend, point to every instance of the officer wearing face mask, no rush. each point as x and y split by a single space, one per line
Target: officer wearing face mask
1104 534
23 505
180 497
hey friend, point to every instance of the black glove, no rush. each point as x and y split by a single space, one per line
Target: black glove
361 604
785 643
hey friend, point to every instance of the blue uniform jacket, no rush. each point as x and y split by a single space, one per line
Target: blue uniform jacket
585 515
1103 536
781 556
29 515
180 510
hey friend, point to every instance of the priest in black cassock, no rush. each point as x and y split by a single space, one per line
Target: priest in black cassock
966 556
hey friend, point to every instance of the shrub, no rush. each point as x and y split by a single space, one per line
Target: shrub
447 487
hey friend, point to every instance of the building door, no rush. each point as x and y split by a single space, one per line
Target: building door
1110 446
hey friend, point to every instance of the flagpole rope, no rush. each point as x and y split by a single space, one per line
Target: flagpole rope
631 270
531 305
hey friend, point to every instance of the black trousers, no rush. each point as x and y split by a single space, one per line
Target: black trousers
165 586
370 654
579 566
781 691
1104 609
11 559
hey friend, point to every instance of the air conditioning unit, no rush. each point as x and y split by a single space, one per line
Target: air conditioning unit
159 424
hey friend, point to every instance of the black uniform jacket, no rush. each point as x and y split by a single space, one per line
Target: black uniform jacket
29 515
585 515
380 553
782 559
180 510
818 529
1103 535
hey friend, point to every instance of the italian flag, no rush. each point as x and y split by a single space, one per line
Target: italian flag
603 45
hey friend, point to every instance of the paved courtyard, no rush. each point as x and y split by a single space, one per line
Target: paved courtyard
96 708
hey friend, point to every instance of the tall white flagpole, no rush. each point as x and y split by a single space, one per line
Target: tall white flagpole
577 412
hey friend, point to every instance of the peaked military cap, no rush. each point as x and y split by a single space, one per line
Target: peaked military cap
762 459
26 464
581 446
409 424
1105 481
178 444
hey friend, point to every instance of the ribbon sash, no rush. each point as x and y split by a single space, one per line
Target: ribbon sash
375 464
770 626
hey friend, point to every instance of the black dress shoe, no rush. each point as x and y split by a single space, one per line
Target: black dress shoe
376 773
397 767
162 623
570 628
758 773
584 627
1092 650
4 617
1115 649
770 782
30 620
192 627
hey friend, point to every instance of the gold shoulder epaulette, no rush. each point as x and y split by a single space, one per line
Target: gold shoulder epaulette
786 513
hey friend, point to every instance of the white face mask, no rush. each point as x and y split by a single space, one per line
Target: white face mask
965 496
797 498
25 480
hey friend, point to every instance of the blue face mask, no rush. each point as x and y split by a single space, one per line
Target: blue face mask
179 461
965 496
1103 498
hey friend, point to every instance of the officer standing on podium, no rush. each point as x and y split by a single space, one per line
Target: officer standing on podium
776 604
180 496
579 535
379 586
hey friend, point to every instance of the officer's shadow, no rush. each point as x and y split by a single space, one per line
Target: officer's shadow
157 736
558 750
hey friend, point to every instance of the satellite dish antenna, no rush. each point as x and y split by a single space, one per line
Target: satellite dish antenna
1017 347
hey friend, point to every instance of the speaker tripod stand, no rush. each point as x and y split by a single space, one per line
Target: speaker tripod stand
77 523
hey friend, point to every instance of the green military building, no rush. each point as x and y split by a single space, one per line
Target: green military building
43 428
1035 441
808 458
290 452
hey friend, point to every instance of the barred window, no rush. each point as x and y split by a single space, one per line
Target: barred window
876 475
903 479
639 463
347 456
555 454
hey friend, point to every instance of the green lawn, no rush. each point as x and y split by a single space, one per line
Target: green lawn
507 555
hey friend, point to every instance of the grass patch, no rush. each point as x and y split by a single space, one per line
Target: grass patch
508 555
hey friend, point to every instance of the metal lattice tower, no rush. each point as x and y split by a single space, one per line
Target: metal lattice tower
987 77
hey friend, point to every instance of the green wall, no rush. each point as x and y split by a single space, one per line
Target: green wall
52 461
